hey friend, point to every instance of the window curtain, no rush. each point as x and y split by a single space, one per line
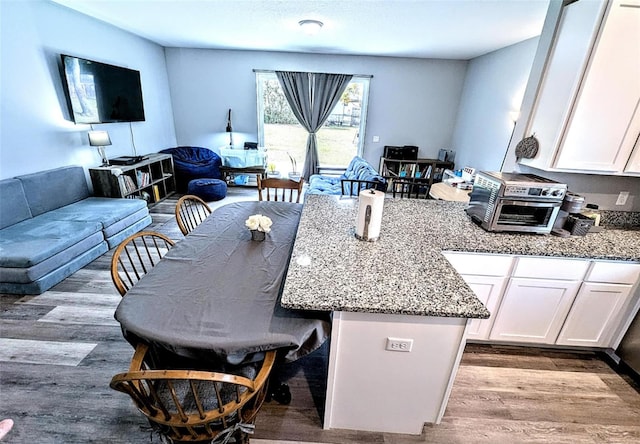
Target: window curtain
312 97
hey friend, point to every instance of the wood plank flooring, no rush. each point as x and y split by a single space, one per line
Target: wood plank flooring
59 350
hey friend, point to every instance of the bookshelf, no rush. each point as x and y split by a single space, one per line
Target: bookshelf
419 172
152 179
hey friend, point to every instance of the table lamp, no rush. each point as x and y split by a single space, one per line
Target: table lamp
100 139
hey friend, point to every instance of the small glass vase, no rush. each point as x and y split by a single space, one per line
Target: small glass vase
258 235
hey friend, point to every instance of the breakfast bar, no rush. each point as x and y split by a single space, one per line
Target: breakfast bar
400 309
399 313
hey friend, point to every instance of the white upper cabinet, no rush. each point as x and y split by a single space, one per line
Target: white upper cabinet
633 166
587 115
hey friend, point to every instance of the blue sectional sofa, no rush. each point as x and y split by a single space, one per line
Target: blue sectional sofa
358 170
50 227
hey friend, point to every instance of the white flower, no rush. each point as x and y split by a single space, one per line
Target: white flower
259 222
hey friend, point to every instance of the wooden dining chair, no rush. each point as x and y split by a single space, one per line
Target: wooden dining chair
196 405
278 189
190 212
409 189
135 256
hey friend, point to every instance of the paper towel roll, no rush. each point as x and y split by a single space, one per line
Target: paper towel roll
370 203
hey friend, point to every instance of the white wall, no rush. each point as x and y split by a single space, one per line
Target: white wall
493 90
411 101
34 133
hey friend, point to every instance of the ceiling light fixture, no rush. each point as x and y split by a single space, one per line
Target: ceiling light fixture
311 27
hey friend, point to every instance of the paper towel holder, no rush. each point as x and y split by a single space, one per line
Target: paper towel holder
365 232
367 222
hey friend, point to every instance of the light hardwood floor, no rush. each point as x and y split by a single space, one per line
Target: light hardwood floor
59 350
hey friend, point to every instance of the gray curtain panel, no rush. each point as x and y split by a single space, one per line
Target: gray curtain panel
312 97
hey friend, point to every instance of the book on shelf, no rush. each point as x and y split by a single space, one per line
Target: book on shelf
122 184
156 193
143 178
126 183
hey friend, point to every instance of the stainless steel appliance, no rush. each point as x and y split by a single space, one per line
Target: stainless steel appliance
629 349
515 202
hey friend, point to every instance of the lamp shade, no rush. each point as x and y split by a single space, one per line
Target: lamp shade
99 138
310 27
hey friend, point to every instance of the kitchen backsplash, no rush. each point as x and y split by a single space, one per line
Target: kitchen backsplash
621 219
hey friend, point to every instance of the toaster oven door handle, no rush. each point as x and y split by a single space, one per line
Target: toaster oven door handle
529 203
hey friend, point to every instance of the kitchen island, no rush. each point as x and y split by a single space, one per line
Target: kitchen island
400 294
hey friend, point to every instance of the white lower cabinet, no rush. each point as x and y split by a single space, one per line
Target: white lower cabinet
594 315
549 300
533 310
489 290
486 275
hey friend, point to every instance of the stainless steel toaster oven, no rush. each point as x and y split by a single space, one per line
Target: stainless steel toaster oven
515 202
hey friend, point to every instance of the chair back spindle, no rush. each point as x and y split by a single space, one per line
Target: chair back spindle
283 190
196 405
136 256
190 212
409 189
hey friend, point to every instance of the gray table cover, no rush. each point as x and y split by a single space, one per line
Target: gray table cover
216 294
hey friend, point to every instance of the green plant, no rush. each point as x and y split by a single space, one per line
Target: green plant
294 168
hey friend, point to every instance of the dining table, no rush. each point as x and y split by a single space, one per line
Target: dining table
215 296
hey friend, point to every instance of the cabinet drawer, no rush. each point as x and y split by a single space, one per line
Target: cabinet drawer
480 264
551 268
614 272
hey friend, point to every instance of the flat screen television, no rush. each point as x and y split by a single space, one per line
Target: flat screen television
101 93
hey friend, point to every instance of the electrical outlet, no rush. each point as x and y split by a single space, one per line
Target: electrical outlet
376 139
399 344
622 198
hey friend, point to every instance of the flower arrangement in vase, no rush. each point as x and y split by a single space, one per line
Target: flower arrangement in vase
259 225
271 170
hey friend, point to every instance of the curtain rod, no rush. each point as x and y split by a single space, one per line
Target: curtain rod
271 71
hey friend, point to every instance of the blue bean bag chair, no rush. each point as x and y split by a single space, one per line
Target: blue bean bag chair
193 162
208 189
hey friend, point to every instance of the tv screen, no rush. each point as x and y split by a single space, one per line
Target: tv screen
102 93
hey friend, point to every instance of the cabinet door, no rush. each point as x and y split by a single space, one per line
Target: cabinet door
633 166
605 105
489 291
567 60
594 315
533 310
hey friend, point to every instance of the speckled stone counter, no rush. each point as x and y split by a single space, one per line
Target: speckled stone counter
404 272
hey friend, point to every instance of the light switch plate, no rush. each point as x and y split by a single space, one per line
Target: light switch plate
399 344
622 198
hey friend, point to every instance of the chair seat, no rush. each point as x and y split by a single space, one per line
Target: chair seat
208 189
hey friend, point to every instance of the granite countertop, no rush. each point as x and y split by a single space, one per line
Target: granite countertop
404 272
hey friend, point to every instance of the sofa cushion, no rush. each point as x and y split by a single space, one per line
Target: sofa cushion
125 223
34 240
319 184
51 189
104 210
358 169
49 280
115 239
14 207
34 272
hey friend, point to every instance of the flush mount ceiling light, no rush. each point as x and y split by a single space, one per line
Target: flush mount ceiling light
310 27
